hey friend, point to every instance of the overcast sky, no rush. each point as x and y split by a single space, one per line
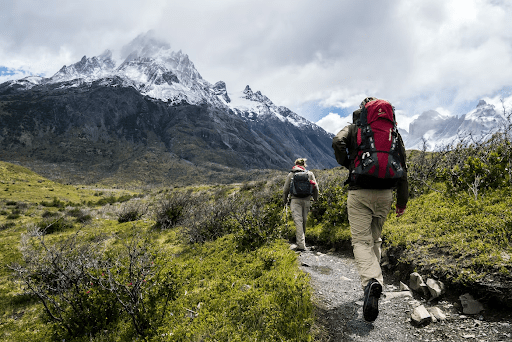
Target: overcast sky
315 57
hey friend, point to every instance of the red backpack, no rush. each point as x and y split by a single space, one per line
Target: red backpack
377 161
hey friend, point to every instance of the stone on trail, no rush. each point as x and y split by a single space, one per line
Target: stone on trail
404 287
420 316
437 313
416 284
470 306
435 287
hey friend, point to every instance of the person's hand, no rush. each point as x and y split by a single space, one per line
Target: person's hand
400 211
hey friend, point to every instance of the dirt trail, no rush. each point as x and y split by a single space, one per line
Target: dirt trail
339 299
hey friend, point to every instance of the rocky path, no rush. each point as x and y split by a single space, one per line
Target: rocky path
339 300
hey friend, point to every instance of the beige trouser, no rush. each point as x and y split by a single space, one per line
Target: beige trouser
367 212
300 208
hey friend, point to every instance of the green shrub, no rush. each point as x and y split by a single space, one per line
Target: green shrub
7 225
80 215
210 219
15 214
172 209
465 231
86 289
235 295
109 200
55 203
132 212
50 225
48 214
256 227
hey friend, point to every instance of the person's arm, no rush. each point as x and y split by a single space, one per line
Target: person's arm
316 189
286 188
402 189
340 143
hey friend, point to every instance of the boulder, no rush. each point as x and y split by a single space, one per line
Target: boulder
435 287
470 306
420 316
437 313
416 284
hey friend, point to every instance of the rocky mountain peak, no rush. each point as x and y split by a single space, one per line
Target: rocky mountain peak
219 89
256 96
94 67
481 103
248 91
144 45
438 130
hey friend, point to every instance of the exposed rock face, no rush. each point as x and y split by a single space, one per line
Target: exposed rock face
219 89
101 130
436 131
152 112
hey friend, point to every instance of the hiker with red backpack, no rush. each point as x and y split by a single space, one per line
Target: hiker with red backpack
301 187
373 151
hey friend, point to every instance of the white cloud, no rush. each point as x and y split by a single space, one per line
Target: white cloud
417 54
333 122
403 121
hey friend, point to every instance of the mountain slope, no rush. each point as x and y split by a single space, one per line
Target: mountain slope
151 119
437 131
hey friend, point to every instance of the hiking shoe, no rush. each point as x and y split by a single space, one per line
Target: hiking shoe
372 293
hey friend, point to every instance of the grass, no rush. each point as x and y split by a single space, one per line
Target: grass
223 292
472 236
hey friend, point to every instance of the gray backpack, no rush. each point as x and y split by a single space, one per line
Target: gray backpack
300 186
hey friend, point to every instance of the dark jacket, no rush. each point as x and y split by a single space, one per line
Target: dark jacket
345 144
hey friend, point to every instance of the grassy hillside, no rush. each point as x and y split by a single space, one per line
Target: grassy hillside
110 265
207 262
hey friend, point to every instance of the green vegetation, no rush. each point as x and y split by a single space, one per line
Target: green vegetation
188 264
458 223
206 263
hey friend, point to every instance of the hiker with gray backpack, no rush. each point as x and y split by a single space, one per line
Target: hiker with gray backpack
300 188
373 151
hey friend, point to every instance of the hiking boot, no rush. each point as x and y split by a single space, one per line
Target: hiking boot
372 293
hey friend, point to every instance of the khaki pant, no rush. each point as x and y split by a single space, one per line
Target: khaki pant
367 212
300 208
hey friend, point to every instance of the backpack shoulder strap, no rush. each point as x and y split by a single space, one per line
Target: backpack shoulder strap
363 117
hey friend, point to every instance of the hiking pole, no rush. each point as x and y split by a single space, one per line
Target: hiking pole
286 215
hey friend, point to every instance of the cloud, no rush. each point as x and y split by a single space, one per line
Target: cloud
418 55
333 122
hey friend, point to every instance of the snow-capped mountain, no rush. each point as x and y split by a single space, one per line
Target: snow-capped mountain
436 131
151 96
151 67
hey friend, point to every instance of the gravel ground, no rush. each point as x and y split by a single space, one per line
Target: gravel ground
339 300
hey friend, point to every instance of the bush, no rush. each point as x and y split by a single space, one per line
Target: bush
55 203
258 226
209 219
15 214
172 209
235 295
109 200
132 212
50 225
85 288
81 215
7 225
